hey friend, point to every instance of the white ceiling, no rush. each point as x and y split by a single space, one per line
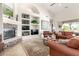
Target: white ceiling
58 11
62 11
58 7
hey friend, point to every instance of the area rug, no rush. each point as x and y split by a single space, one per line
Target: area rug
35 47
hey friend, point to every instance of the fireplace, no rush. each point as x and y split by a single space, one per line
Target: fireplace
9 33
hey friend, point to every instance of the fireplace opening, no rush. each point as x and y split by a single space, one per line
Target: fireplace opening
9 31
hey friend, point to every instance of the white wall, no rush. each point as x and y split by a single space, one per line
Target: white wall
0 18
17 12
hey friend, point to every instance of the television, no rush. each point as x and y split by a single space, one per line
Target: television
9 34
34 32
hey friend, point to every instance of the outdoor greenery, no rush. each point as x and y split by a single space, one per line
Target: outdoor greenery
65 27
71 27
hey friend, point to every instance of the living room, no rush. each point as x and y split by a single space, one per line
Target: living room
32 29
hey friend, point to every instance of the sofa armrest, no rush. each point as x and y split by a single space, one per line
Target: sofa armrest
62 49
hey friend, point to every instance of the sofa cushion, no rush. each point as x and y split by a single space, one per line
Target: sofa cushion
73 42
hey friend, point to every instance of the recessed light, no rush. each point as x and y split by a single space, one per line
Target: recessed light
52 4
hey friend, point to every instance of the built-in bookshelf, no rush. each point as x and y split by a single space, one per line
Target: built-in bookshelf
35 25
30 24
25 24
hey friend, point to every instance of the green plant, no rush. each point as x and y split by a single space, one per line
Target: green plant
7 11
66 28
34 21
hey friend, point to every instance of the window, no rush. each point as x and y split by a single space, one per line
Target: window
74 26
66 27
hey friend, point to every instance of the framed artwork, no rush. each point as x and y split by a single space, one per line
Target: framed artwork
8 10
45 25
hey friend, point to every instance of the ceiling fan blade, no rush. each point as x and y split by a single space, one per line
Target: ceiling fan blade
52 4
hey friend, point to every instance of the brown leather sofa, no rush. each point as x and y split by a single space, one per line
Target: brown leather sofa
59 35
64 35
70 49
54 51
47 33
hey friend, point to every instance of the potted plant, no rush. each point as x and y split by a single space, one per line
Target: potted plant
34 21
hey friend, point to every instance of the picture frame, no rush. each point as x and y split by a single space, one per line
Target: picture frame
45 25
8 11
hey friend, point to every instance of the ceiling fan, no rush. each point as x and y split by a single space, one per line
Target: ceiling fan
52 4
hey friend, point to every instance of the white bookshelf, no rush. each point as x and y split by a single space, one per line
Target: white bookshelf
32 26
25 23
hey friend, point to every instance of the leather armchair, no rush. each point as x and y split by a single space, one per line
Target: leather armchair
57 49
